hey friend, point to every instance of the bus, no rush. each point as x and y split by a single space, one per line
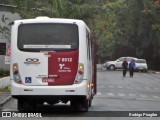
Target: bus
53 61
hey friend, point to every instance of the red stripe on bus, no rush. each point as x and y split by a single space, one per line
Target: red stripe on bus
62 66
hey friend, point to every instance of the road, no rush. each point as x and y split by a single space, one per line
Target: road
116 93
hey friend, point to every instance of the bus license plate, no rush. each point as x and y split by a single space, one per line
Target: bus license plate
46 80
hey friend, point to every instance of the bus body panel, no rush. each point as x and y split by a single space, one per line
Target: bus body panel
76 89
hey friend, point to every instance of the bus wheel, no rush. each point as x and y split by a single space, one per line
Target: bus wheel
26 105
73 106
85 104
20 105
90 103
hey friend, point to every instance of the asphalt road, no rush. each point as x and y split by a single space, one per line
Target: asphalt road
115 94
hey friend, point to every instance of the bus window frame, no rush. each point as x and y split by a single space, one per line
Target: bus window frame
49 49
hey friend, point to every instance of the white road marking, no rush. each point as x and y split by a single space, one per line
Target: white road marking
142 95
111 86
110 94
120 86
102 86
121 94
155 96
98 93
132 95
156 88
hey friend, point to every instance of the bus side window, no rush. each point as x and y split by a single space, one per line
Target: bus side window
88 45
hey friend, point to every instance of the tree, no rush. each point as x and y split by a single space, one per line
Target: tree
152 10
121 27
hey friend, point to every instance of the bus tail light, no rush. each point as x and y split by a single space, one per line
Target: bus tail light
80 73
16 74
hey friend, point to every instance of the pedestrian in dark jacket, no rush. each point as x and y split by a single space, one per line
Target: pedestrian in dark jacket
131 68
125 66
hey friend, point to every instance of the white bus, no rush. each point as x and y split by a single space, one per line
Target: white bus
52 60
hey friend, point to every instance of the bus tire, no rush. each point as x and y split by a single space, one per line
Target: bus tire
90 103
24 105
85 104
20 105
74 106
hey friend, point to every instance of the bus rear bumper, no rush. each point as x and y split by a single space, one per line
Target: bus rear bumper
50 97
69 90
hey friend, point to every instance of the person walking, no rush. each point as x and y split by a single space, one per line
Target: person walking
125 66
131 67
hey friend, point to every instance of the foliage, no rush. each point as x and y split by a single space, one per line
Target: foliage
121 27
4 73
130 28
78 9
4 29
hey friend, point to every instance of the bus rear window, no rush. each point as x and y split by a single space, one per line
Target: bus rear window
47 36
141 61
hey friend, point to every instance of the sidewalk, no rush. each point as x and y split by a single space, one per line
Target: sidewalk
4 97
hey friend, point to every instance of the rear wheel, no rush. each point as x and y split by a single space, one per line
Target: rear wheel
26 105
90 103
85 104
81 105
20 105
73 105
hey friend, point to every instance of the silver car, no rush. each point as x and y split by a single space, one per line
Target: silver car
141 65
117 64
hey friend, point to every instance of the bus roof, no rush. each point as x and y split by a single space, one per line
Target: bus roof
44 19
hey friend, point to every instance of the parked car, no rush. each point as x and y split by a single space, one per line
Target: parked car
117 64
141 65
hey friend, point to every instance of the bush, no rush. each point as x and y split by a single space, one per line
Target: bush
7 73
4 73
1 72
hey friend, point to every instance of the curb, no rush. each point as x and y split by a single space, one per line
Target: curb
5 101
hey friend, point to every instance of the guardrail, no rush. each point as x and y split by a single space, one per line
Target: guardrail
4 82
